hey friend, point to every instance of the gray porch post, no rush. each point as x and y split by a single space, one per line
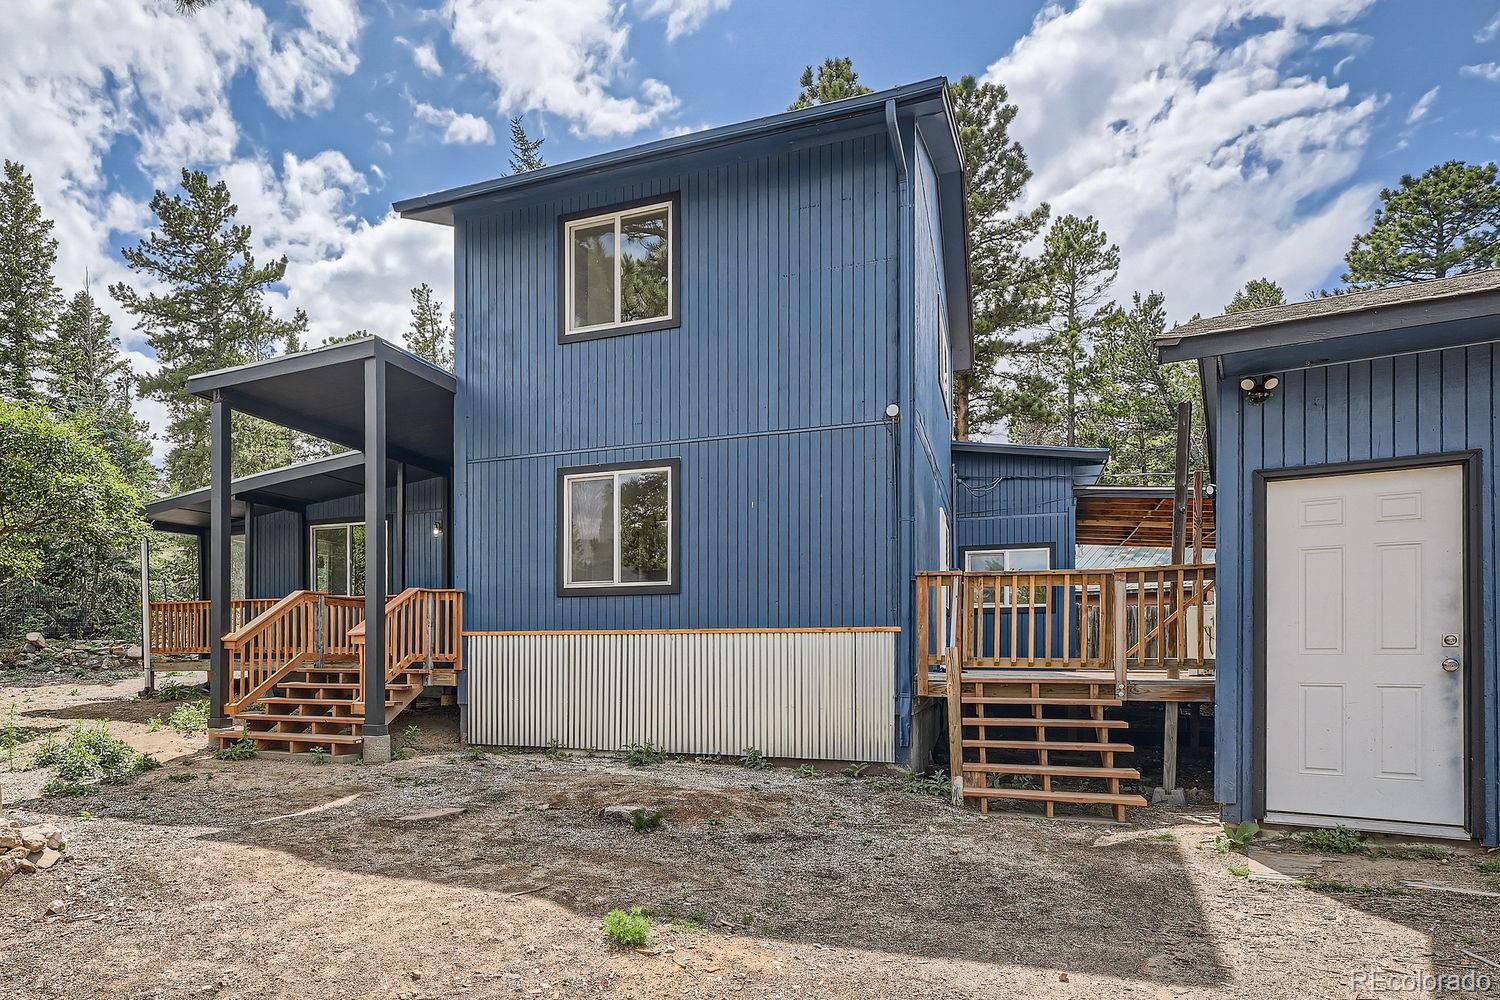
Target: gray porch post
220 470
398 533
376 737
203 570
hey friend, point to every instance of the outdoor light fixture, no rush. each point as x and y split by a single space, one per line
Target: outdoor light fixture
893 411
437 529
1258 389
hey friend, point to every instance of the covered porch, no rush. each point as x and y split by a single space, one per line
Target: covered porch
302 569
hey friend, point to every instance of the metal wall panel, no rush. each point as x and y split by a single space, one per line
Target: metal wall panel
817 695
1010 500
1434 402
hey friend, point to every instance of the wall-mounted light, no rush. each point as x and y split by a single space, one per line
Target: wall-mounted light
893 411
1258 388
437 529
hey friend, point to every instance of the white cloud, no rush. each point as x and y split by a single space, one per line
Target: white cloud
1355 40
1206 159
1485 71
1490 30
425 57
683 16
459 127
565 57
1420 109
295 69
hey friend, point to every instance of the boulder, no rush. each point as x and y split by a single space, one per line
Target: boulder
133 653
48 859
35 640
9 838
32 841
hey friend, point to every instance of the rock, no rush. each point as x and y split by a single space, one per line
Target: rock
9 839
133 653
8 867
33 840
47 860
26 865
432 814
56 907
35 640
623 814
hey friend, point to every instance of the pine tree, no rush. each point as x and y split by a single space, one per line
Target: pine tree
835 80
430 335
525 152
92 384
1002 278
1134 412
210 314
1258 293
29 296
1445 222
1049 398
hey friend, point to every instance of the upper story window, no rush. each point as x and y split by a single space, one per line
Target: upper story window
619 529
945 360
621 272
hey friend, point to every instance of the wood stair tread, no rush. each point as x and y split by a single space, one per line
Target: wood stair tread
344 720
1048 723
1058 770
274 737
1038 795
329 685
1048 745
1044 700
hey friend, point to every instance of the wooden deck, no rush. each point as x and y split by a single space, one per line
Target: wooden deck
1140 685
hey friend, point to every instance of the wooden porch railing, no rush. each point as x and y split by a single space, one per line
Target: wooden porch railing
1158 618
422 625
180 628
306 626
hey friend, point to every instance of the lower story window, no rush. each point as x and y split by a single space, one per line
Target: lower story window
337 552
1018 560
618 526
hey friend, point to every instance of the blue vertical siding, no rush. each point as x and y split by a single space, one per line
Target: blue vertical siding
771 392
1429 403
279 551
1004 501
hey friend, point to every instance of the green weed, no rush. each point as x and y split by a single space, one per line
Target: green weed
555 751
1339 840
754 759
189 718
1241 870
241 749
320 755
645 820
181 776
90 753
1236 836
628 930
644 754
1490 866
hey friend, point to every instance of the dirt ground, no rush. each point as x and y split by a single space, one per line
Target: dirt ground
274 878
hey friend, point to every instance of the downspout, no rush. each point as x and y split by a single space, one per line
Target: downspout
904 498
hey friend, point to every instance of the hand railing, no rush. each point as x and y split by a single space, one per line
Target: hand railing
270 646
182 627
422 625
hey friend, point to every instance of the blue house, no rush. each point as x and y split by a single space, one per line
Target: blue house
1354 445
696 445
692 483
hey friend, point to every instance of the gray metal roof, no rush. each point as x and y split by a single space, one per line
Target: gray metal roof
1372 311
1126 556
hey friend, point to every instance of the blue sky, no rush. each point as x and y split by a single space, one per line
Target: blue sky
1216 140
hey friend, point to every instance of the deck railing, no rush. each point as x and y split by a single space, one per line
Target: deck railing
422 625
1157 618
272 645
181 628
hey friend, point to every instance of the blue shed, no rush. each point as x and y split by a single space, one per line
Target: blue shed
1353 440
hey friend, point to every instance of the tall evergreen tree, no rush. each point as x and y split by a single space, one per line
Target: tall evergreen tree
430 335
525 152
835 80
29 296
92 384
211 313
1443 223
1134 411
1258 293
1050 394
1002 277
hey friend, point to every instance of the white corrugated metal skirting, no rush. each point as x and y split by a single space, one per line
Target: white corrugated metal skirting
819 695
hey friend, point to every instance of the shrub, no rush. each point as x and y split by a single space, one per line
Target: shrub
937 783
1339 840
643 754
189 718
241 749
645 820
180 692
90 753
628 930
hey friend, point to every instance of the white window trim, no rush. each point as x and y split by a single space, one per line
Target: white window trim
969 553
945 362
617 218
614 475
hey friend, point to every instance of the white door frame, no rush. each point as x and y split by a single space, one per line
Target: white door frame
1475 637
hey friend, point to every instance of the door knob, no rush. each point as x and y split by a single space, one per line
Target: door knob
1450 664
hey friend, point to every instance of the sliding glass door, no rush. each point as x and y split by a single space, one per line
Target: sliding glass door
338 558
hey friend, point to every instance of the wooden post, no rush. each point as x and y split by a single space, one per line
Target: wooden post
1197 517
1119 639
953 666
1168 789
146 615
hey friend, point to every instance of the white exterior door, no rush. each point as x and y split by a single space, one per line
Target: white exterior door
1364 602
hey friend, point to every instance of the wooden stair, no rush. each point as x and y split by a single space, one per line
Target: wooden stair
317 707
1013 728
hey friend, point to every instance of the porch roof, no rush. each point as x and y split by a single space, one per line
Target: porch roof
293 487
321 392
1135 516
